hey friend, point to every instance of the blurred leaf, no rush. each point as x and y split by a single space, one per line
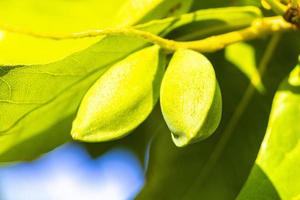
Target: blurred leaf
243 56
278 158
38 102
217 168
58 16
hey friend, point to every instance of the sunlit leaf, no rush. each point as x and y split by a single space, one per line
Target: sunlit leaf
243 56
276 173
163 9
58 16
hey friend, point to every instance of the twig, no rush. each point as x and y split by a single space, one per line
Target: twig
259 28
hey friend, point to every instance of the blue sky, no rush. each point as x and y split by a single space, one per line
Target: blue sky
69 173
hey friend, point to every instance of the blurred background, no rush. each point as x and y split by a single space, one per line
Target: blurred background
69 172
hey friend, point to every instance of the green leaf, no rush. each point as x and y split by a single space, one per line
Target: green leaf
218 167
57 16
39 51
278 160
228 18
216 21
39 102
223 3
190 97
168 8
122 98
246 63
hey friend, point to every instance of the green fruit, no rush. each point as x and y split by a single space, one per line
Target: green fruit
190 97
121 99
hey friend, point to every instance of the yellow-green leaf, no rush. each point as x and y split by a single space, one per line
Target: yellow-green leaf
190 97
276 173
242 55
59 16
122 98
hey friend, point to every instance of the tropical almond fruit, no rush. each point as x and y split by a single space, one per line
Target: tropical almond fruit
190 97
121 98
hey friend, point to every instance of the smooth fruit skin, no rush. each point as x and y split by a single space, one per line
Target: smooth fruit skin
190 97
122 98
